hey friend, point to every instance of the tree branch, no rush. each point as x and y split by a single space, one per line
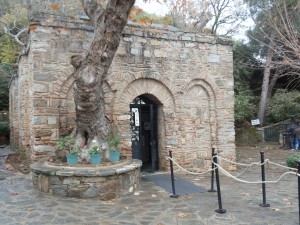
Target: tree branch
93 9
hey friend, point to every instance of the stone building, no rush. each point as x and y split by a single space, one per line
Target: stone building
166 90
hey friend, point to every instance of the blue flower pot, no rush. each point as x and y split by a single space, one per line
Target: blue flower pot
95 158
114 156
72 159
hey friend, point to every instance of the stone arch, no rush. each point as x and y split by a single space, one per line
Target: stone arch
144 86
67 105
158 93
198 107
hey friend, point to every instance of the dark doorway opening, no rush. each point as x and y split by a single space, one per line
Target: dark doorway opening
144 132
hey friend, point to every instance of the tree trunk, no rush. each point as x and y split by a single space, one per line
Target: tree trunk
265 88
109 21
273 81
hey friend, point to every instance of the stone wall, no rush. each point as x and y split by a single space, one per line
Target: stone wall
100 182
189 77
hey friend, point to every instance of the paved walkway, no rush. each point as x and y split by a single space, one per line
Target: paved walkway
20 204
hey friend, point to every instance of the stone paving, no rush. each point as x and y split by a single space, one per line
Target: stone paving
20 203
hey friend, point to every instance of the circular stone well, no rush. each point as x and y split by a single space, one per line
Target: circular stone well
103 182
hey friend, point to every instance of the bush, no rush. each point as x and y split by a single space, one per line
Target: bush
4 128
291 160
283 105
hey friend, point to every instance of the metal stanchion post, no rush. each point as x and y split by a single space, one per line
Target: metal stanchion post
219 210
262 160
212 172
172 177
298 163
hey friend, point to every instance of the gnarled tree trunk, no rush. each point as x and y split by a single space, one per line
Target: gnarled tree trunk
109 18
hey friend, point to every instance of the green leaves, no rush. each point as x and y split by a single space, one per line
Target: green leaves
94 150
283 105
6 72
244 70
67 144
291 160
9 50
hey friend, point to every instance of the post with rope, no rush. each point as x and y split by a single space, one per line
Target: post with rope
212 172
220 209
298 172
262 160
172 177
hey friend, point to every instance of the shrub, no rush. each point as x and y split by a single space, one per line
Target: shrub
283 105
291 160
4 128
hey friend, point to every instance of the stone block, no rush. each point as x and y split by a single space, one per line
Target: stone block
172 142
124 117
71 180
59 190
138 33
187 37
38 120
52 120
40 88
54 180
47 77
34 178
90 193
42 133
213 58
43 148
128 39
39 103
155 42
134 51
183 55
147 53
44 184
121 51
160 54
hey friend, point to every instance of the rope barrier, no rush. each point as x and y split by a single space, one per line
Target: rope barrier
244 164
286 167
187 171
216 167
257 163
253 182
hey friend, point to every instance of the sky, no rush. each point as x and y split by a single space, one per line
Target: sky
152 7
161 9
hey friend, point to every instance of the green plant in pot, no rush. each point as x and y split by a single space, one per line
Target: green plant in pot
113 141
95 155
67 146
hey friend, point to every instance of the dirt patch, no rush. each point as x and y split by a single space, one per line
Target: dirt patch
17 163
273 152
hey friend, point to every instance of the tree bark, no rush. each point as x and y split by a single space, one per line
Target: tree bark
273 81
109 20
265 87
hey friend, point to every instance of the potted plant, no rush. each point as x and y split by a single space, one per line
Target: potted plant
95 155
67 145
113 140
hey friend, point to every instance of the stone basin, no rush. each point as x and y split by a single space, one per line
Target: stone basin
88 181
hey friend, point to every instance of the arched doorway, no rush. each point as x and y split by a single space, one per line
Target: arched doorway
144 132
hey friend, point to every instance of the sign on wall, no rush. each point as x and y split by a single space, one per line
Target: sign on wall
136 117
